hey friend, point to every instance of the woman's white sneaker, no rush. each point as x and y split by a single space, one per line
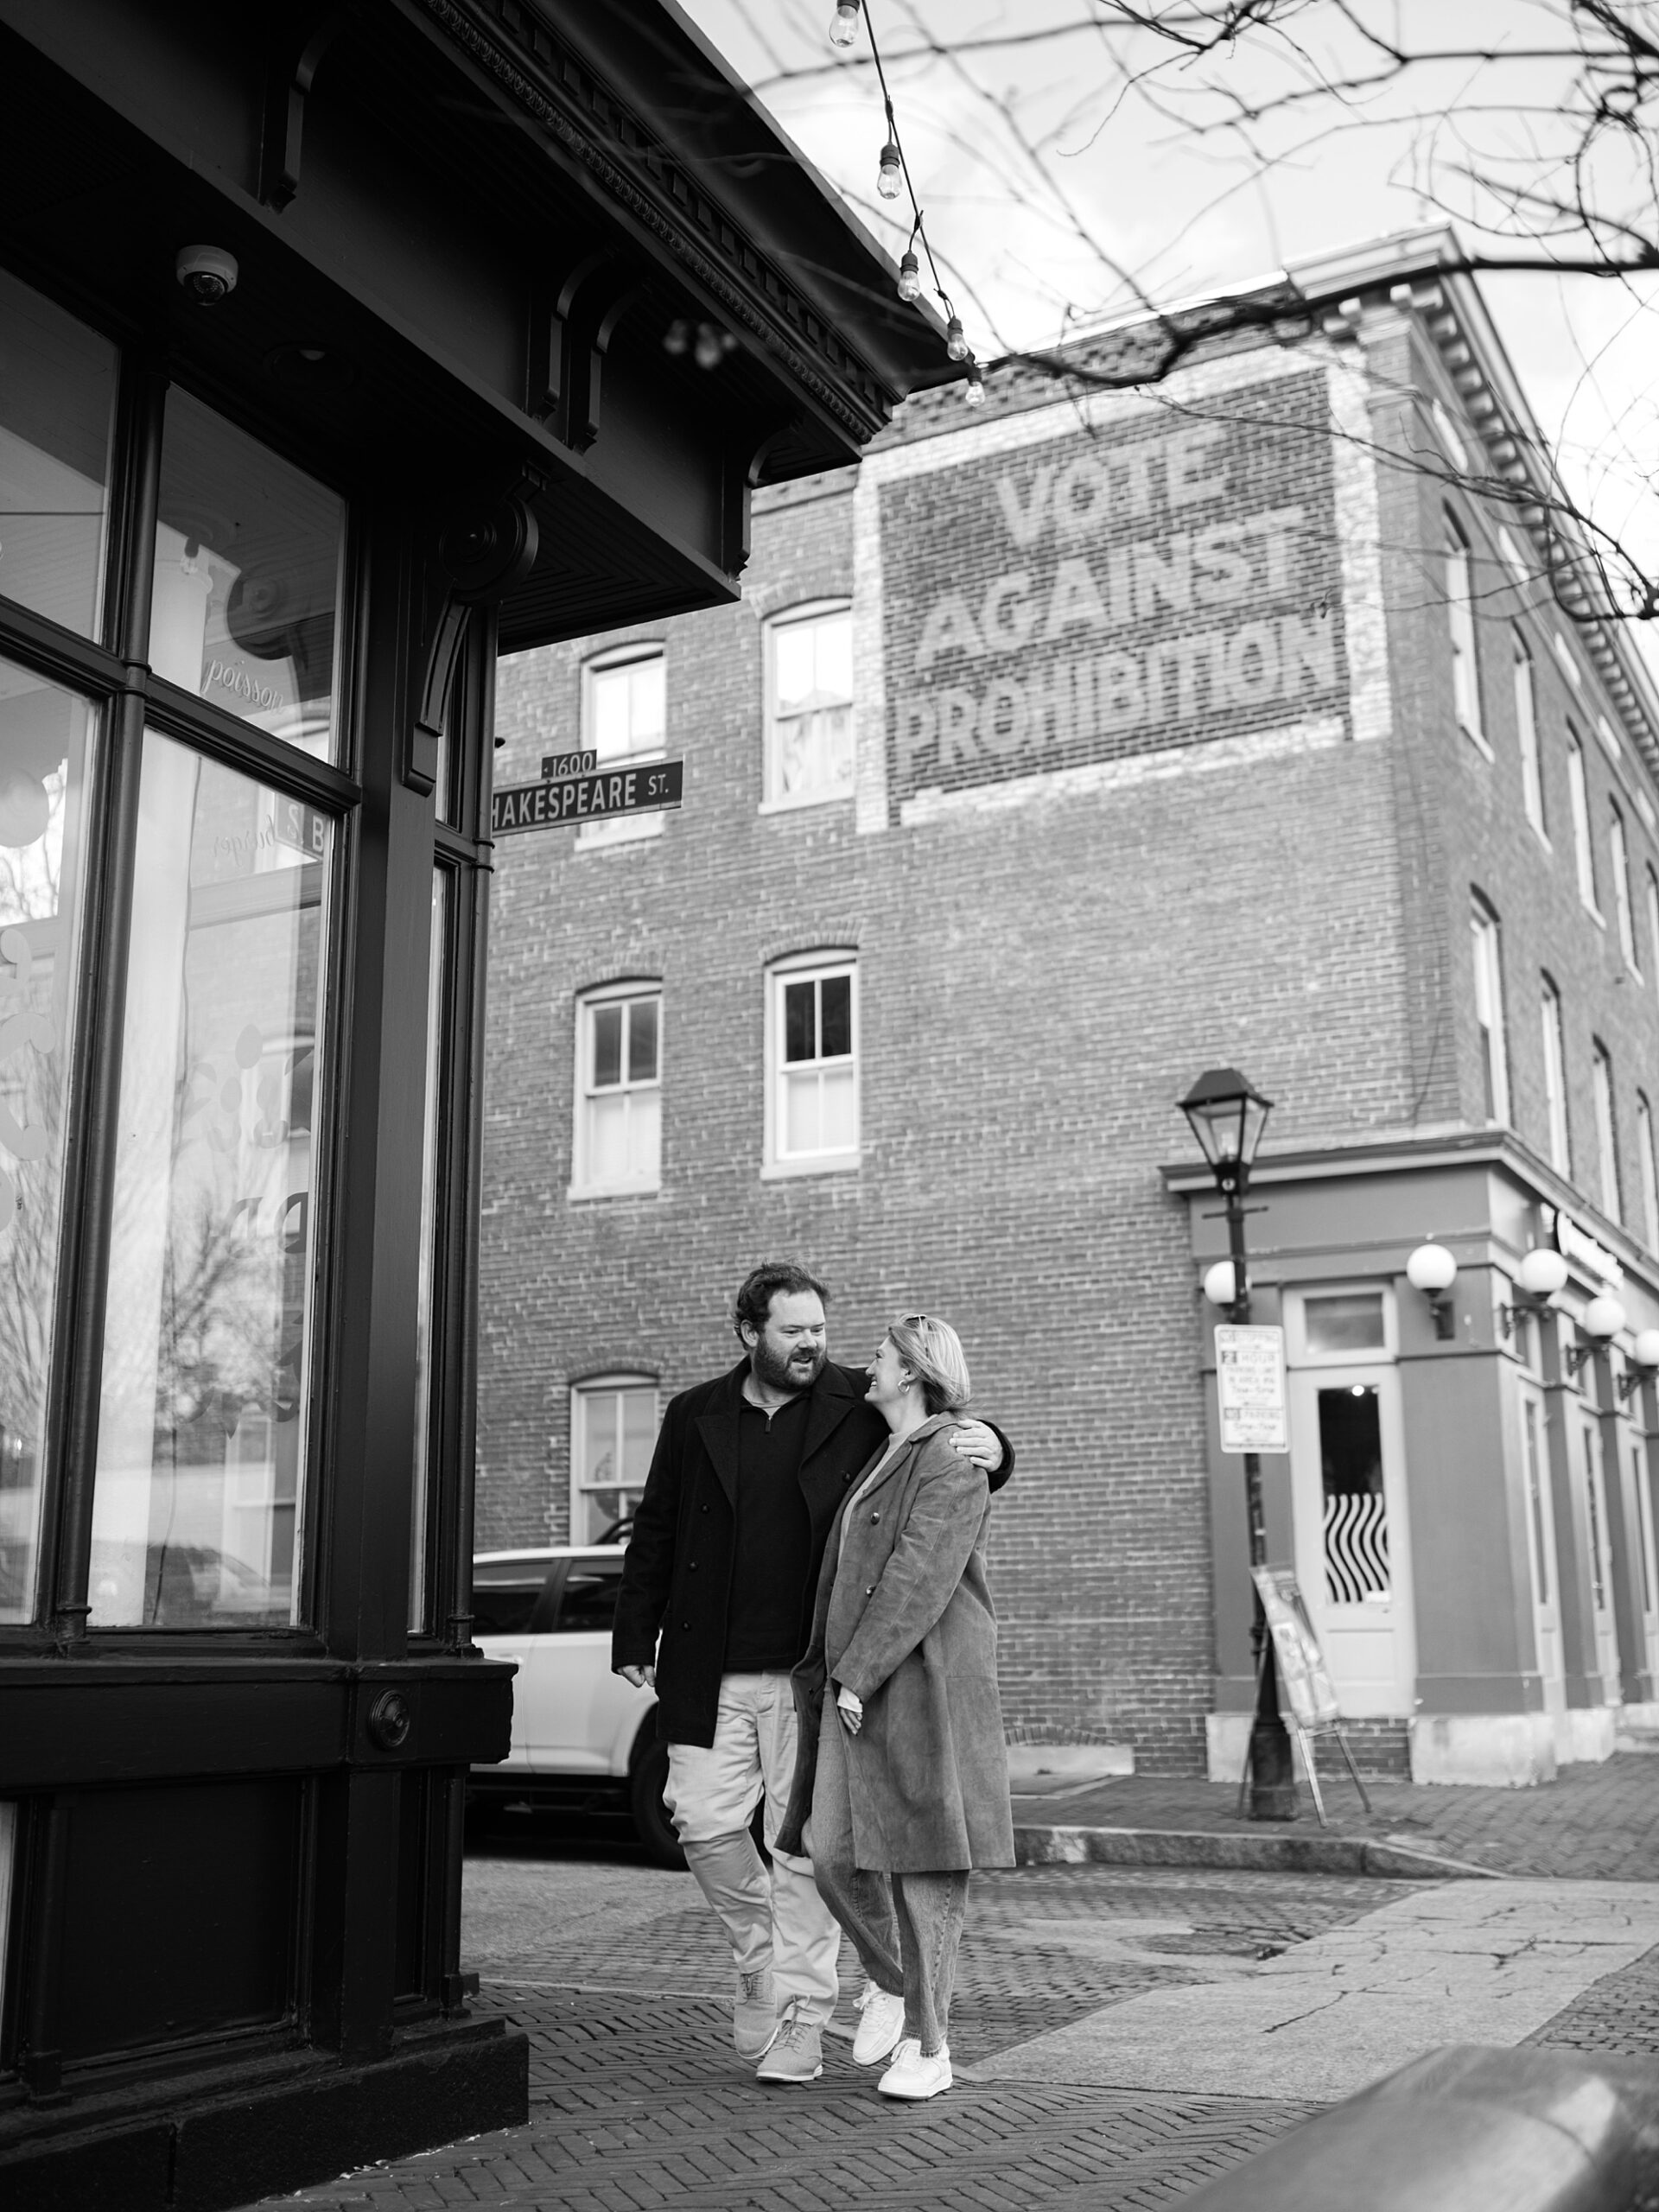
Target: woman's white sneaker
914 2077
881 2022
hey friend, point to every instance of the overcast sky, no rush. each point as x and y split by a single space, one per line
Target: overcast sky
1130 194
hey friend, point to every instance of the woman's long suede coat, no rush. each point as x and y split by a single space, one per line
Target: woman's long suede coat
904 1619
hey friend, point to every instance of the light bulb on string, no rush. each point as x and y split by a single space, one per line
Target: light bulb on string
890 176
955 344
974 393
844 28
910 277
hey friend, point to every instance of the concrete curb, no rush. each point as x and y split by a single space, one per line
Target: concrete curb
1320 1853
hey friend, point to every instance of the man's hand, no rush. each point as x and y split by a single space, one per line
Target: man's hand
976 1442
850 1706
643 1678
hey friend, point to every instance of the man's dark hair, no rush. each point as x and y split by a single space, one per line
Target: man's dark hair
762 1284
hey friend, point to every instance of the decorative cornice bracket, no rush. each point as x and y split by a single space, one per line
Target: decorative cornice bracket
478 556
575 332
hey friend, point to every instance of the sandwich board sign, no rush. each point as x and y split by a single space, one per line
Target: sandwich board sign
1251 1388
1303 1675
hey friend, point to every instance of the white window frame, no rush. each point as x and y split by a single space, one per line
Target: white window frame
1296 1303
1488 1006
583 1183
1653 915
1526 723
1460 625
624 828
1584 856
776 1163
1648 1167
584 1396
774 799
1560 1128
1601 1077
1619 847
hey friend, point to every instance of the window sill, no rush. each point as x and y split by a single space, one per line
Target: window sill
1479 743
1542 835
1594 912
823 1163
839 796
577 1192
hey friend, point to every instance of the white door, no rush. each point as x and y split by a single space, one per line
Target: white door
1600 1559
1650 1564
1541 1547
1353 1560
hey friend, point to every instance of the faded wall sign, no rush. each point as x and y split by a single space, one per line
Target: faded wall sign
1163 581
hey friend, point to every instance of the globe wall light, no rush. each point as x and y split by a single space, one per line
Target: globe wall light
1599 1323
1641 1362
1220 1283
1432 1269
1540 1275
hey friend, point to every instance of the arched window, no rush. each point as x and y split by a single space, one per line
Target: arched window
614 1422
808 743
618 1137
1489 1010
1460 622
812 1064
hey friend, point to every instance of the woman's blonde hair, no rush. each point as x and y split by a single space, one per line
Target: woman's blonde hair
932 1351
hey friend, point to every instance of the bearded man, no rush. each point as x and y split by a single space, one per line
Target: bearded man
715 1609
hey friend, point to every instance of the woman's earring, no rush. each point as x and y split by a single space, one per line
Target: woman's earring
905 1385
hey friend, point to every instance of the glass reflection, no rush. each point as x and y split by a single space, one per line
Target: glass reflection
201 1429
245 607
45 748
57 404
425 1395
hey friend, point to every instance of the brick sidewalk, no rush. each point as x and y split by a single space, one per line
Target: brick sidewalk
1592 1823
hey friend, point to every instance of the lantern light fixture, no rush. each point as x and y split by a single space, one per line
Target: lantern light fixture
1226 1114
843 27
1433 1270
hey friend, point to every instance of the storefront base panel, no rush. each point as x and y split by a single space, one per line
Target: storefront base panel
1511 1751
1585 1734
209 2155
1637 1728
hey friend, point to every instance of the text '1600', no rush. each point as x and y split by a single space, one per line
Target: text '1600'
588 798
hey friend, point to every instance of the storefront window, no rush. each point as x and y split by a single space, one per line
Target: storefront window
1348 1321
1356 1513
245 610
45 747
424 1407
200 1468
57 402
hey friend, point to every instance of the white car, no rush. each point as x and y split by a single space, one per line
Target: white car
582 1740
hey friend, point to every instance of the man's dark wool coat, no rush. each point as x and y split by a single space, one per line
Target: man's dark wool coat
676 1575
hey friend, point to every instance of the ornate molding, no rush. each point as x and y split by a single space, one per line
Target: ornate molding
627 158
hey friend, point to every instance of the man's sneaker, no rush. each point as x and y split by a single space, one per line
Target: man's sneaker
881 2023
913 2077
798 2053
754 2015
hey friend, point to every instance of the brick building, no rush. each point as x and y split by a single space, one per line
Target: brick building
1067 747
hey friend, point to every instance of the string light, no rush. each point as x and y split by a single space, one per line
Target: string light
890 177
955 344
974 391
910 277
844 28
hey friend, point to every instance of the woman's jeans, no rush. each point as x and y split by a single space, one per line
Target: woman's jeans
906 1927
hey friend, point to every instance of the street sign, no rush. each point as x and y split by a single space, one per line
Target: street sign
555 804
1250 1388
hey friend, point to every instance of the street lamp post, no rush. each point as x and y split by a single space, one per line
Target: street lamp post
1227 1116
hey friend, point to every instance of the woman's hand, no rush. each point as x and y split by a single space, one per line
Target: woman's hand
851 1709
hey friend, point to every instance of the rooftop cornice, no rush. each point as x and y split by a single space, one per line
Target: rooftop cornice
657 190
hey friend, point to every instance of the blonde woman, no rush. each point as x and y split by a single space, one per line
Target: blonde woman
908 1791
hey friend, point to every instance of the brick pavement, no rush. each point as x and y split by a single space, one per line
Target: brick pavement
637 2102
1592 1823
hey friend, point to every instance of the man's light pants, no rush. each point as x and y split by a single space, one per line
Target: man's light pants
777 1921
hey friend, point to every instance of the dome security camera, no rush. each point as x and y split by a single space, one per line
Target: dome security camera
207 272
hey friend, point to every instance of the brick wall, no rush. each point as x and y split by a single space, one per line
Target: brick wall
1051 944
